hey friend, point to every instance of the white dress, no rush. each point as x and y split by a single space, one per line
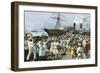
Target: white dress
55 50
79 52
32 49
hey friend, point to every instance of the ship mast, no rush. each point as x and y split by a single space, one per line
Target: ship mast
58 20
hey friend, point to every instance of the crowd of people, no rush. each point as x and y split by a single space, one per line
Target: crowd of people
55 47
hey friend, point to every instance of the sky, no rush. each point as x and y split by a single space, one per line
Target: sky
36 20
